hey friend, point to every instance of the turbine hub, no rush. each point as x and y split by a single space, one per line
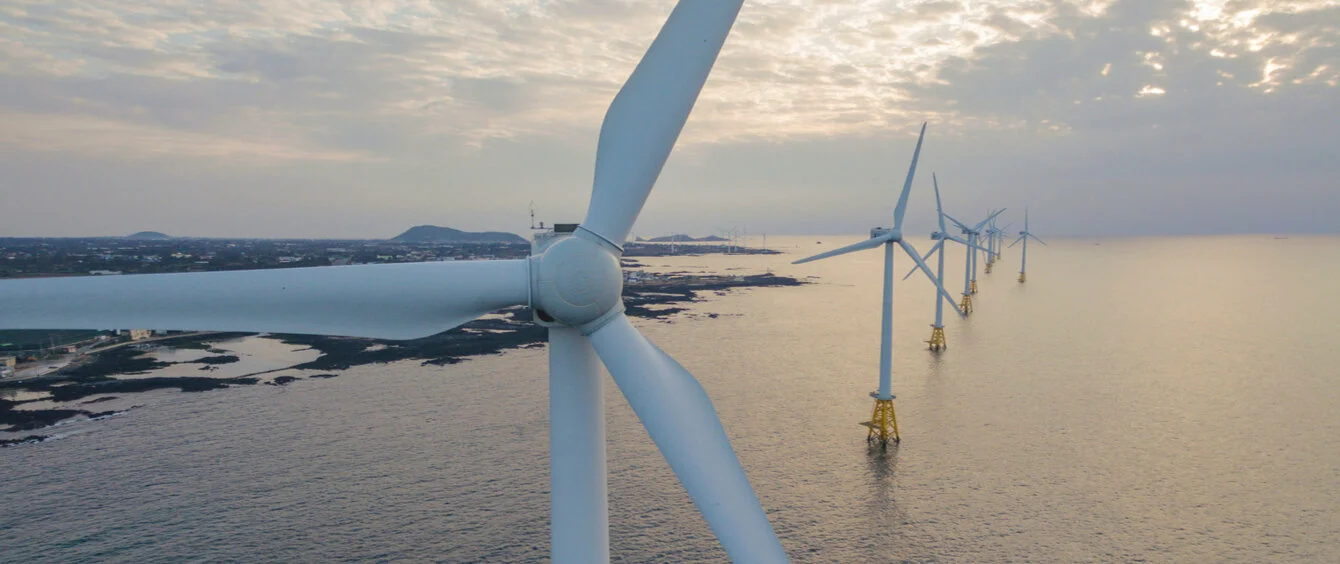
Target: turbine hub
576 282
897 234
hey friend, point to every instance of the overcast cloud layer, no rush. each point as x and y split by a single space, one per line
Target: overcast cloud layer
316 118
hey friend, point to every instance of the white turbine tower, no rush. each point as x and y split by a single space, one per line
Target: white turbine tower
1000 238
574 285
1024 236
970 260
883 423
937 340
985 231
992 239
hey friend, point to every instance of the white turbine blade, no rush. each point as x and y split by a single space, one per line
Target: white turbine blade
863 245
938 245
389 301
1038 240
912 252
681 420
578 514
907 184
939 210
988 219
1016 242
645 118
961 241
957 222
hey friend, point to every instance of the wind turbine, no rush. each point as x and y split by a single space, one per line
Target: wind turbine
996 239
986 251
970 260
937 340
883 422
1000 234
573 284
1001 244
990 245
1024 236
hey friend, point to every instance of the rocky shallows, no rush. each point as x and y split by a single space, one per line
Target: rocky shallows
649 297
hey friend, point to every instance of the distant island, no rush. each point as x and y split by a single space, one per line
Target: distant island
680 238
148 236
435 234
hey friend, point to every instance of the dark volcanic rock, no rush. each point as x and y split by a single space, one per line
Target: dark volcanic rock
28 440
124 360
282 380
78 390
27 420
105 414
483 336
214 360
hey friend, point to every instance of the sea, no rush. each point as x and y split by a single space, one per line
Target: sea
1136 400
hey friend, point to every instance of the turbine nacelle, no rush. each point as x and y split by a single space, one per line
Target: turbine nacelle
888 233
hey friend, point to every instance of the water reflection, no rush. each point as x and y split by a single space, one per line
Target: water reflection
1089 415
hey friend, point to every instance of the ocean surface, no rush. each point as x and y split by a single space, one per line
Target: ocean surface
1162 400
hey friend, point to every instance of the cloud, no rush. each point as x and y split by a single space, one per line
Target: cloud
421 93
477 70
93 136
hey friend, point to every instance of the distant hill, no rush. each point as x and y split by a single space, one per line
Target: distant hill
148 235
680 238
435 234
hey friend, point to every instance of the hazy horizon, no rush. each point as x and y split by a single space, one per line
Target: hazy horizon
755 239
327 120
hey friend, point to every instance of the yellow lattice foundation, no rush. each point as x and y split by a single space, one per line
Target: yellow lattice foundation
1023 277
883 424
973 287
937 341
966 306
988 266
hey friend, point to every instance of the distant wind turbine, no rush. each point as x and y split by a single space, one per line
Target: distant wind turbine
937 340
883 422
1024 236
995 240
1001 234
970 261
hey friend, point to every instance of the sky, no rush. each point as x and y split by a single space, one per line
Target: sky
358 119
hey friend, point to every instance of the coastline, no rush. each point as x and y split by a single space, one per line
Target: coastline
68 390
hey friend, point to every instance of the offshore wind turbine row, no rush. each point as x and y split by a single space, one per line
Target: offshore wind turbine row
573 285
883 423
